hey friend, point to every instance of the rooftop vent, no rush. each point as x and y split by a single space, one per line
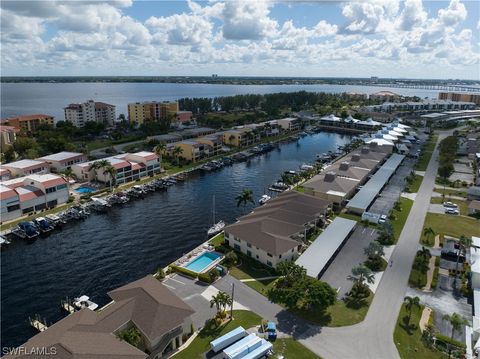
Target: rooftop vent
355 157
365 149
344 166
330 176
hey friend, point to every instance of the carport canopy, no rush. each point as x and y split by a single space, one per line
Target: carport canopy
319 253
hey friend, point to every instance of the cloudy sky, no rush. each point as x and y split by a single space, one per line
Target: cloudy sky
387 38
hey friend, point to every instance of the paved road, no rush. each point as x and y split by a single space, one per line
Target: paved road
373 338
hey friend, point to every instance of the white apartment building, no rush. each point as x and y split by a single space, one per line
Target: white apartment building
32 193
80 113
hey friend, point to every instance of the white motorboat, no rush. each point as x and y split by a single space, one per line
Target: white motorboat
217 226
264 199
84 302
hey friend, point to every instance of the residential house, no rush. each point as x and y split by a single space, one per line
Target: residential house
331 187
192 150
290 124
60 161
160 317
239 137
474 207
277 231
473 193
32 193
213 142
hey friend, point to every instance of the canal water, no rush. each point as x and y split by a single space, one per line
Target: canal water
108 250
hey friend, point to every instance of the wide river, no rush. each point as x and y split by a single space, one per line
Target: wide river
108 250
51 98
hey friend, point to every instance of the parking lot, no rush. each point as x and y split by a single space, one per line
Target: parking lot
350 256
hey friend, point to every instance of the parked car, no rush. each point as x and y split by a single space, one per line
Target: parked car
450 205
451 211
383 218
271 331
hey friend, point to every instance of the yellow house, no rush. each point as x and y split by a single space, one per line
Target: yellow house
191 150
214 144
239 137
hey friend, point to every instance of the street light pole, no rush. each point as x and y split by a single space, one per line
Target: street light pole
231 307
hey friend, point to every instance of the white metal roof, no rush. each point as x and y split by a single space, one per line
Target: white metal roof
23 164
323 248
370 190
61 156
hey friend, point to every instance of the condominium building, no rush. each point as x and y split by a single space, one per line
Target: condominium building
460 97
29 123
290 124
8 135
240 137
427 105
277 231
213 142
129 167
162 319
140 113
32 193
90 111
58 162
192 150
26 167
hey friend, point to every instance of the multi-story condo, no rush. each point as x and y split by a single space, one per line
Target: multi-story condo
162 319
58 162
29 123
35 192
278 230
140 113
26 167
460 97
240 137
427 105
80 113
192 150
8 135
290 124
213 142
129 167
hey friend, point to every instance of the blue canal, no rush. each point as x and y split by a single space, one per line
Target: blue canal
108 250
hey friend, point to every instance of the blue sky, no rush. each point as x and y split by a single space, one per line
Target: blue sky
387 38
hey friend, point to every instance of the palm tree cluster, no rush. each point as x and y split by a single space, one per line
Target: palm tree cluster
410 303
221 301
386 235
107 168
463 243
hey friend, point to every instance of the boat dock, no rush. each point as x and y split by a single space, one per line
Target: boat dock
38 324
66 306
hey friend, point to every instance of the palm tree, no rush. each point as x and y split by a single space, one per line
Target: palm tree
112 173
424 253
361 274
244 198
464 242
160 150
95 166
428 231
225 300
216 301
410 302
177 151
456 321
68 173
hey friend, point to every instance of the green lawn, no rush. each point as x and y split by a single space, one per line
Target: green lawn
462 205
217 240
453 226
417 278
401 216
415 185
426 154
291 349
409 344
300 189
337 315
201 343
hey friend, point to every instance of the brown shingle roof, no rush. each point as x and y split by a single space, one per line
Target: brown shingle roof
271 226
85 334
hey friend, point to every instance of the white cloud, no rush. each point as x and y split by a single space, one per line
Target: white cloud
323 28
412 15
454 14
367 16
247 20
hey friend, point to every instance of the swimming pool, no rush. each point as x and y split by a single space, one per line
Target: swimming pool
85 189
202 262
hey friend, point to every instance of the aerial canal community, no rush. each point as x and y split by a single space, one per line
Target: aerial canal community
329 213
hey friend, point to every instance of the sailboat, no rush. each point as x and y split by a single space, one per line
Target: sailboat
217 227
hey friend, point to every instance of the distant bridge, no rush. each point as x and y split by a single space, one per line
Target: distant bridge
458 88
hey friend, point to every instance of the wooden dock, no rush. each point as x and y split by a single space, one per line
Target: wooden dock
66 306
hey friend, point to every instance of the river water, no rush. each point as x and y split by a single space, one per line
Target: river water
51 98
108 250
